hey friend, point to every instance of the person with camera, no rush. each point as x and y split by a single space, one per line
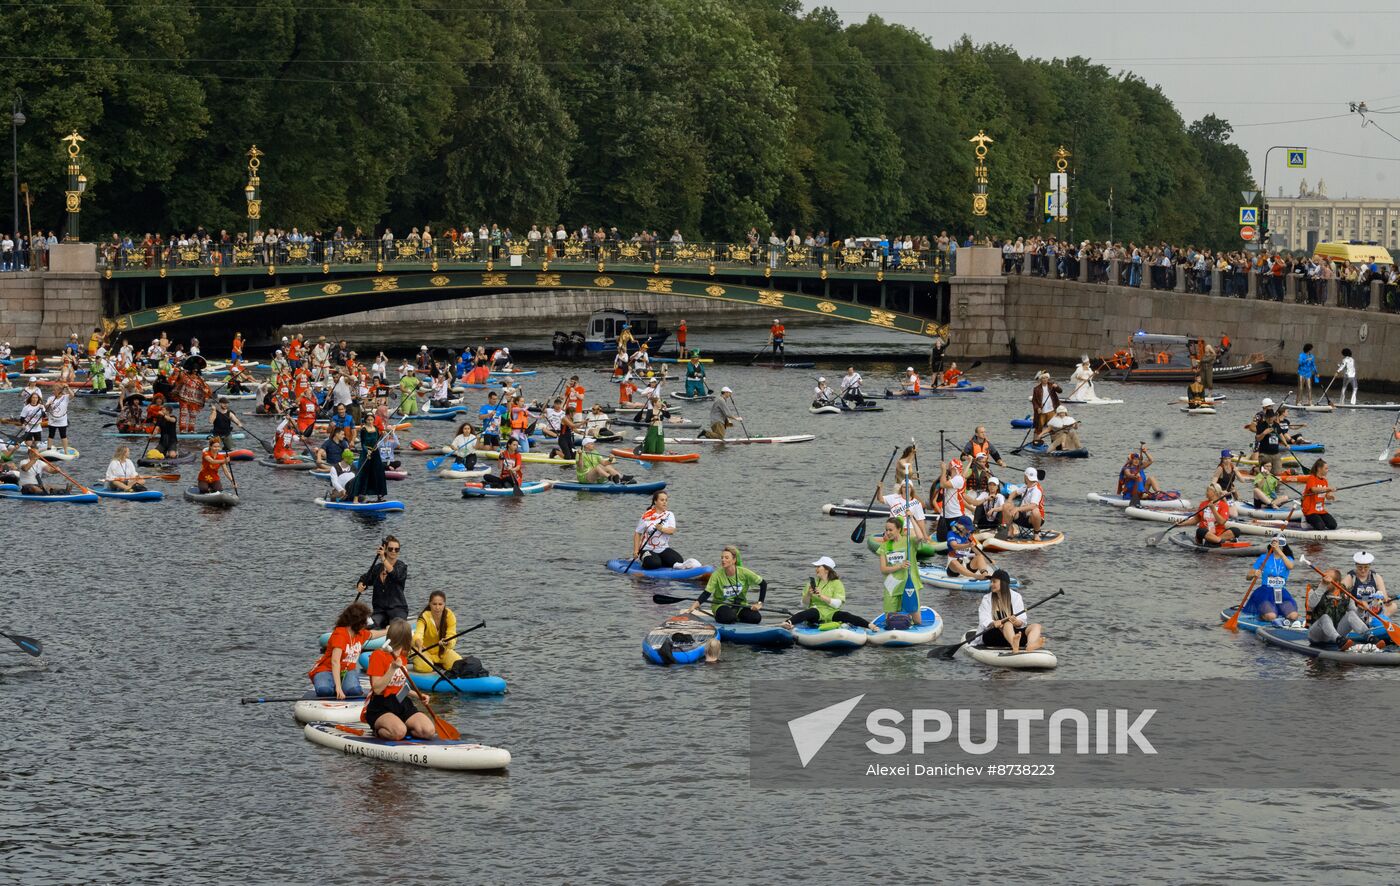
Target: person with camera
386 578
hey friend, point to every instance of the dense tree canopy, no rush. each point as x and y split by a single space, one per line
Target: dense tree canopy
709 116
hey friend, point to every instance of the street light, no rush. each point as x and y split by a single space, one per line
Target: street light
77 184
16 121
250 190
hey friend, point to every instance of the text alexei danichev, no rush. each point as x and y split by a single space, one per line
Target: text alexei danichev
958 770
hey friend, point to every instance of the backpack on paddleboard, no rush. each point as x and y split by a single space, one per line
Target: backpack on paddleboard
468 667
898 621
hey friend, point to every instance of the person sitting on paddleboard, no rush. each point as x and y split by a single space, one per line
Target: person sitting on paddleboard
212 461
592 467
1268 491
464 446
729 587
654 443
1060 429
121 472
1028 513
850 387
1134 481
512 471
342 474
627 395
964 557
342 654
910 386
1001 621
1287 427
1335 615
391 710
651 540
896 552
1367 585
1196 394
1316 493
980 444
1271 601
329 452
434 623
31 474
822 599
1268 438
1214 513
823 395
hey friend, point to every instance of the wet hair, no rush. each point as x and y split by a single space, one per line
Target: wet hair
354 616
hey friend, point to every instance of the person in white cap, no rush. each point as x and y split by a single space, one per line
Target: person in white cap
908 387
1083 380
1029 511
823 395
1334 619
591 467
823 598
1367 585
1045 398
723 414
776 334
1061 429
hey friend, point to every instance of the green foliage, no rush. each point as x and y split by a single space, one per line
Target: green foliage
709 116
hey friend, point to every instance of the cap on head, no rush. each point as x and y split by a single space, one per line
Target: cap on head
1032 474
1062 410
1363 558
588 441
825 561
1225 453
1267 401
726 391
821 379
964 521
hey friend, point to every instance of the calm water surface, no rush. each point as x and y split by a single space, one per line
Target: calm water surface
129 759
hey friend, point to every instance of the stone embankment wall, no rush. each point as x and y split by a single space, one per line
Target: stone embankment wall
41 309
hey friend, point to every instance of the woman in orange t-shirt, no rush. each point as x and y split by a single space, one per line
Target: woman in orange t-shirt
1316 493
391 710
212 461
342 655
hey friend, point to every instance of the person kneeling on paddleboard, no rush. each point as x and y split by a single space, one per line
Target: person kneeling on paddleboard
434 623
1001 622
512 471
723 414
1367 585
729 587
1316 493
391 710
1211 530
342 655
1029 514
1196 394
651 540
342 474
1334 616
1271 601
895 555
823 598
964 557
212 461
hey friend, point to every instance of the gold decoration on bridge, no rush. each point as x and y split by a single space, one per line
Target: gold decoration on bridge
547 280
770 298
739 253
254 209
224 304
162 273
544 265
107 326
331 288
852 257
712 269
190 255
658 284
1062 159
826 307
461 252
573 250
603 281
274 296
243 255
352 252
518 247
823 273
108 273
440 280
325 267
979 188
406 249
493 279
932 329
271 269
882 318
216 270
601 265
629 251
379 267
122 322
715 291
656 267
798 256
297 252
168 313
880 275
384 284
767 272
490 265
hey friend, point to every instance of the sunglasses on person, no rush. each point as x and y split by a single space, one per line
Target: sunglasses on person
393 550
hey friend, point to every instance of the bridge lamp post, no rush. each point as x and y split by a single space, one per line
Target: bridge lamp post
16 121
77 184
252 191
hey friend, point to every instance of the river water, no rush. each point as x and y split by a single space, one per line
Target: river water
129 759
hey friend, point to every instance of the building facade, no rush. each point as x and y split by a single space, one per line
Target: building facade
1299 223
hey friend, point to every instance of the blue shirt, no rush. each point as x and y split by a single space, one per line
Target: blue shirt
1273 572
490 419
1307 365
342 421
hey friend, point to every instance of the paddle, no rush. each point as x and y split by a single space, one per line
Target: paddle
858 534
28 644
1232 624
741 418
249 431
666 599
641 547
444 729
1155 540
1391 629
263 699
947 652
1390 441
228 466
761 350
67 477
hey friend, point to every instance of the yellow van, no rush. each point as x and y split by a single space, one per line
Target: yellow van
1357 253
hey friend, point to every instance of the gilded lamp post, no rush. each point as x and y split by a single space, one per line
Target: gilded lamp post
979 187
77 184
253 190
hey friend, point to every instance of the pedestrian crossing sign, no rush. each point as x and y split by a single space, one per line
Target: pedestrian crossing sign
1249 215
1297 158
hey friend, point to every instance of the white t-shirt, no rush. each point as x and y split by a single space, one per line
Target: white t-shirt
898 506
340 479
32 418
952 504
658 541
464 442
554 418
120 470
58 411
1060 422
30 476
850 382
1033 495
984 611
1348 367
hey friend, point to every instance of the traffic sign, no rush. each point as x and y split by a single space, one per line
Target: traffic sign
1249 215
1297 158
1248 233
1249 197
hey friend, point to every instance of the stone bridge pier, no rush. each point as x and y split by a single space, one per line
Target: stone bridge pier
40 309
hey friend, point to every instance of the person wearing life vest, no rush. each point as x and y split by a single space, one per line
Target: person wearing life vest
391 710
520 421
1029 511
980 445
435 623
951 484
728 588
1316 493
952 376
1334 620
776 333
1271 601
1367 585
965 558
573 398
283 440
212 461
1143 484
1211 519
910 386
336 673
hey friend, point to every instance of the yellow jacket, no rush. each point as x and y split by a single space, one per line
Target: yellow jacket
425 632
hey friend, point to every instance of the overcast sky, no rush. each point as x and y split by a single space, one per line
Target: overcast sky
1258 65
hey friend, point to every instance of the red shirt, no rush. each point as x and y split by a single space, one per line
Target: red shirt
625 392
349 647
381 661
510 466
573 399
306 413
1314 502
210 465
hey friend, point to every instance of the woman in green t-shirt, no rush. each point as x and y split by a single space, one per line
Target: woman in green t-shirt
728 590
902 584
823 598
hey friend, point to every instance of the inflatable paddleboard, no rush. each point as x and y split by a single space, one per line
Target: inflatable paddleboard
1040 659
435 754
699 573
678 640
367 506
914 635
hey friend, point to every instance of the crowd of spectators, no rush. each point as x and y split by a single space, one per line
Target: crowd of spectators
19 252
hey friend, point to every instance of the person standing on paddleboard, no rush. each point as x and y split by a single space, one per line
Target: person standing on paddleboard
1347 370
895 568
1307 371
777 333
1045 399
1271 601
386 579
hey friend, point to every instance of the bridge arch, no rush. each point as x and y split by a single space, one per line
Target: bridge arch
304 302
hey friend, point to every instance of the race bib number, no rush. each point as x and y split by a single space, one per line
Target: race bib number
1276 582
895 558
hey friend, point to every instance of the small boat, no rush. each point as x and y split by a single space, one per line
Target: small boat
664 456
604 325
1168 358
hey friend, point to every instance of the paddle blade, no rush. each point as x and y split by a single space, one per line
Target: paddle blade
945 652
858 534
445 729
665 599
433 464
28 644
1232 624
